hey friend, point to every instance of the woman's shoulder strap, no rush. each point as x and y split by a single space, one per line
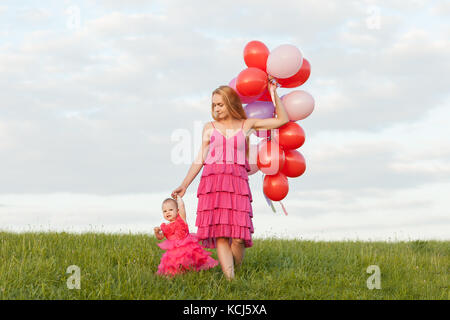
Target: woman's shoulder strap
212 124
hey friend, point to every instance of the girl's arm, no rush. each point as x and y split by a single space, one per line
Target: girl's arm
158 234
272 123
197 164
181 208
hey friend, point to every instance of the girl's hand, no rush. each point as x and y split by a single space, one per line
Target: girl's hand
181 190
157 229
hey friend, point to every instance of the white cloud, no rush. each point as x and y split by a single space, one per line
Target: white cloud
34 16
441 8
3 9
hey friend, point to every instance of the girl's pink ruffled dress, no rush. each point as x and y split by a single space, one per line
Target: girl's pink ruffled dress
183 250
224 197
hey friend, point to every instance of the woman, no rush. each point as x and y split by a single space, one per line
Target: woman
224 211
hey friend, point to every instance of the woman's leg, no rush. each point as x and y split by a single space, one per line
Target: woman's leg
225 256
238 250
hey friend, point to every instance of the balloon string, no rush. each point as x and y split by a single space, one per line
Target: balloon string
269 202
284 209
271 205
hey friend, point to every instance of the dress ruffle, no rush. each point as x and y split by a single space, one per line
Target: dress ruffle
224 216
191 257
234 169
176 243
224 230
224 182
226 200
224 204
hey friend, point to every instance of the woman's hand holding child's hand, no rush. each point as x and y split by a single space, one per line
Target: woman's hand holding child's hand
181 190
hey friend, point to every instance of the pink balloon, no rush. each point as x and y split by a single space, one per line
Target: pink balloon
252 159
298 104
284 61
244 99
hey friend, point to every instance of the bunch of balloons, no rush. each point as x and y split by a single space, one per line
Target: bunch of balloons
276 155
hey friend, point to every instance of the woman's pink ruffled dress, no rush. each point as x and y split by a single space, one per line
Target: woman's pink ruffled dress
224 197
183 250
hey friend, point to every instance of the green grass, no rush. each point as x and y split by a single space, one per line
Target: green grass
123 266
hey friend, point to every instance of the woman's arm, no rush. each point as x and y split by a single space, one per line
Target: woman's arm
197 164
272 123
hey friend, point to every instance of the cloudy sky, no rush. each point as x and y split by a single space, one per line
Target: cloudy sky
93 92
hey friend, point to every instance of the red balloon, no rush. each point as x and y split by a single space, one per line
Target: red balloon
265 96
255 55
244 99
270 158
294 166
299 78
276 187
251 82
291 136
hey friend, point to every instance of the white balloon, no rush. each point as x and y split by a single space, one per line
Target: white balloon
298 104
284 61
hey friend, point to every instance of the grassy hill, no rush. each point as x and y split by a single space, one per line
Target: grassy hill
123 266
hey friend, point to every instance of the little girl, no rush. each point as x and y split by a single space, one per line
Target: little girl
183 250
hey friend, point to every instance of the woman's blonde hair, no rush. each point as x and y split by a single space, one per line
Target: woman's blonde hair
232 101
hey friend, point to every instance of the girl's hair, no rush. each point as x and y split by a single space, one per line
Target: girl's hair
170 199
232 101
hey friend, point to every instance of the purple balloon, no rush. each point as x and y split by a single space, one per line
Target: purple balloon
260 109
